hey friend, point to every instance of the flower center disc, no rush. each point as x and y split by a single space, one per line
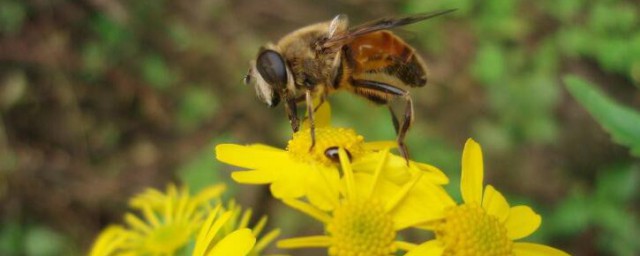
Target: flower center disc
469 230
361 228
326 137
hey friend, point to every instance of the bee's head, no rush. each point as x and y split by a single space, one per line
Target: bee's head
269 75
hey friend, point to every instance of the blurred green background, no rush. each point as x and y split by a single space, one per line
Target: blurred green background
100 99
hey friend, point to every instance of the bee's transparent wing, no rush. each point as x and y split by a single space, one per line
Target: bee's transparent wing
376 25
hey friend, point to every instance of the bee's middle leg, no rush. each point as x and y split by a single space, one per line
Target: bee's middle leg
312 125
322 99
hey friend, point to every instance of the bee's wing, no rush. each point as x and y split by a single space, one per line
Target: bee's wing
342 36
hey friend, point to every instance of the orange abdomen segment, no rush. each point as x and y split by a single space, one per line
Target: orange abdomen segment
382 51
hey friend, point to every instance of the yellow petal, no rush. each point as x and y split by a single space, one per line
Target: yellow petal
433 174
424 203
431 225
404 246
522 221
308 209
209 193
495 204
380 145
531 249
287 189
429 248
400 195
108 242
292 180
377 173
238 243
395 168
347 172
136 223
202 239
250 157
383 191
254 177
266 240
323 185
265 147
307 241
472 172
414 202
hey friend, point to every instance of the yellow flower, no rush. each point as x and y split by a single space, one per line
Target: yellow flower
484 224
109 242
368 212
169 220
302 170
226 232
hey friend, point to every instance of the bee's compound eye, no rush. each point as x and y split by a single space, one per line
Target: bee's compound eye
272 68
332 153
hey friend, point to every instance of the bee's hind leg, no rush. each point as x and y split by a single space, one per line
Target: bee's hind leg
394 119
379 93
404 127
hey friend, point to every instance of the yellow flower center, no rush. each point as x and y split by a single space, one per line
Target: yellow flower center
361 228
469 230
167 239
328 140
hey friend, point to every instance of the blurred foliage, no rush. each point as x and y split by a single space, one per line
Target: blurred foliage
12 16
581 211
519 82
621 122
36 240
616 186
99 99
609 33
191 171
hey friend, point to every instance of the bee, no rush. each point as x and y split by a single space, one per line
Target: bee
368 60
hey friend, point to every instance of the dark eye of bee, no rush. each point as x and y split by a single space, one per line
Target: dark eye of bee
272 68
332 153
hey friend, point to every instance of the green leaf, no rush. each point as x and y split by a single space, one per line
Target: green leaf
621 122
12 16
44 241
196 106
202 169
618 184
12 236
113 35
490 65
619 228
573 215
156 71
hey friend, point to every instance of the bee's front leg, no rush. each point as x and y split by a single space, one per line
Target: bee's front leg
292 113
